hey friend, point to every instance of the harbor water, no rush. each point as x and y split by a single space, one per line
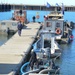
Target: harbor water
4 38
67 59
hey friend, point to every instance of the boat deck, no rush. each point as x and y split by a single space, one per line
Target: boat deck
13 51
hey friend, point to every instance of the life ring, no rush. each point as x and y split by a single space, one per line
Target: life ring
37 16
58 31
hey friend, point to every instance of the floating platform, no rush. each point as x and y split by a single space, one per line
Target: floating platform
14 50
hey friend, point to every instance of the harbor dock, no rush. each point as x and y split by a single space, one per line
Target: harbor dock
13 51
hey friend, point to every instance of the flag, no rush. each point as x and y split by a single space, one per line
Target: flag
59 8
57 4
62 8
37 15
48 5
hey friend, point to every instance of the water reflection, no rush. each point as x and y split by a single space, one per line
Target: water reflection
4 37
67 59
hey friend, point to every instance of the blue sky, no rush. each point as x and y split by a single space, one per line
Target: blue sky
39 2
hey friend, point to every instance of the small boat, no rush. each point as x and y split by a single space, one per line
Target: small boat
19 15
44 66
8 24
48 40
45 62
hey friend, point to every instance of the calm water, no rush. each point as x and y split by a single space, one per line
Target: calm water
70 16
4 38
67 60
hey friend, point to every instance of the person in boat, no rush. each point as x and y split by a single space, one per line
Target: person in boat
45 17
20 26
8 31
33 59
71 37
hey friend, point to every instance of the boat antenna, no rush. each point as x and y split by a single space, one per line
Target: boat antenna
55 9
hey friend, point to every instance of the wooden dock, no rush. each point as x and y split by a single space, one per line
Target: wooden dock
12 52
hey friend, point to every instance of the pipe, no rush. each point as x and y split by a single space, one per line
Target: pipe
31 71
27 63
47 70
44 70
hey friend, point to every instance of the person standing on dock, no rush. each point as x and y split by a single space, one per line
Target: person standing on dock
20 26
33 18
8 32
33 59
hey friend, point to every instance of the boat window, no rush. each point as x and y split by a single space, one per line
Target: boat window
3 23
57 24
47 43
14 24
48 24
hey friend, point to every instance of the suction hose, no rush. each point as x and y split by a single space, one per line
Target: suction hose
22 72
45 70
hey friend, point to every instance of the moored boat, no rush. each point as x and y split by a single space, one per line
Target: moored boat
44 64
19 15
54 22
8 24
46 57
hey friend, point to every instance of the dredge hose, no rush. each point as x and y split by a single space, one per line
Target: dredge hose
24 65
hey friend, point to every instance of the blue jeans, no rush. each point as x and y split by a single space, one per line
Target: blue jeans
19 32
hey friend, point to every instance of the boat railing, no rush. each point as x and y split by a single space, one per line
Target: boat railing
37 45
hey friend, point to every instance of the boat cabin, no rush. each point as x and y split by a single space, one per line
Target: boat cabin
54 22
5 24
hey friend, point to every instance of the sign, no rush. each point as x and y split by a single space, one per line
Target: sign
37 15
